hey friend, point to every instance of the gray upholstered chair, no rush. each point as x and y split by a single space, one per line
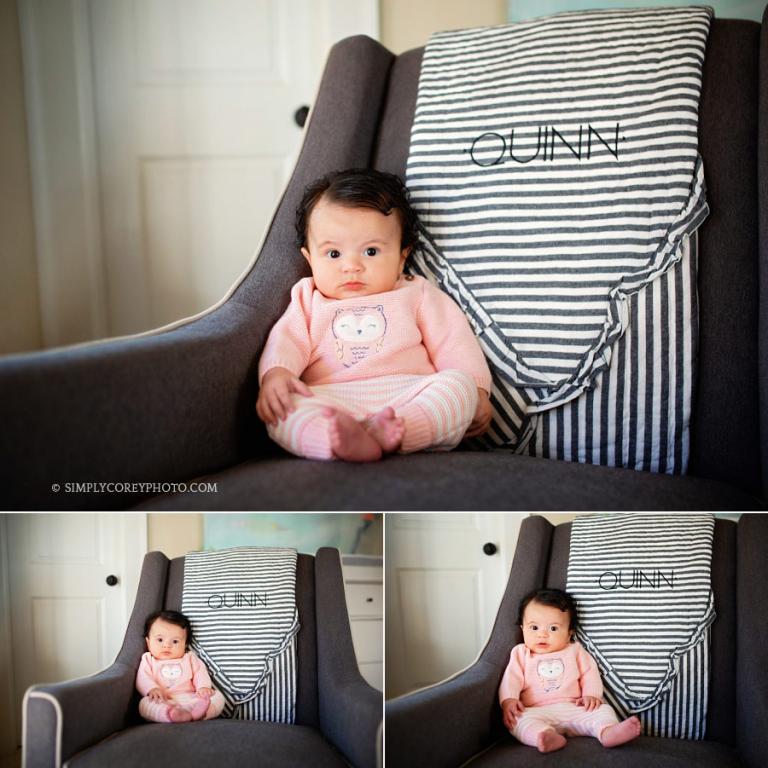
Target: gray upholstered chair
179 405
94 721
458 722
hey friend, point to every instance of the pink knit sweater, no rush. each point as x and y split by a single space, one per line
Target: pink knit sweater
550 678
184 675
413 329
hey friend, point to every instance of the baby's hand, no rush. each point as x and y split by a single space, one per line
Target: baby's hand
155 694
589 702
482 419
511 709
275 394
206 693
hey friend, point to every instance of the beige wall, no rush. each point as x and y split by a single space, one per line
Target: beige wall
409 23
174 535
19 305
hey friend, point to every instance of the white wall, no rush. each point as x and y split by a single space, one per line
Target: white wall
20 328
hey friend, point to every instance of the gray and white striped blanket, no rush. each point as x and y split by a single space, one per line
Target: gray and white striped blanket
644 597
242 606
555 169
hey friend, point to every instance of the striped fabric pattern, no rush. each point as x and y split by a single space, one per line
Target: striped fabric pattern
554 166
242 606
637 414
644 597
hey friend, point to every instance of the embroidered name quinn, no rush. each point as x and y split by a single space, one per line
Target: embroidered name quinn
237 600
491 148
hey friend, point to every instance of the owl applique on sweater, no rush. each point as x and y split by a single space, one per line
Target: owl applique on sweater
550 674
170 674
359 332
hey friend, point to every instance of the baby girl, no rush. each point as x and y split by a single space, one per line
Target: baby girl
173 681
551 687
366 360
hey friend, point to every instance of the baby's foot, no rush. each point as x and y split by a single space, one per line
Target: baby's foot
199 708
620 733
179 715
387 430
349 440
550 740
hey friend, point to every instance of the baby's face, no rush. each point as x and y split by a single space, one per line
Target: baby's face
545 628
166 641
353 251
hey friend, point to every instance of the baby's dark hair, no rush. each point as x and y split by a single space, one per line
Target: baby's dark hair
555 598
360 188
172 617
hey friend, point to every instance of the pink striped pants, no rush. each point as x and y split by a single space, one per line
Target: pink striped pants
157 711
568 719
436 409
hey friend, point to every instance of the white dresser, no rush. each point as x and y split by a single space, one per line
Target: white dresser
363 577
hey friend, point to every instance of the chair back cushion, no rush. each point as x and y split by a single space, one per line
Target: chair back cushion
306 685
721 724
724 441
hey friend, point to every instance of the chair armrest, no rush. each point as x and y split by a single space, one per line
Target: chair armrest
151 409
350 710
350 717
61 719
751 639
444 725
64 718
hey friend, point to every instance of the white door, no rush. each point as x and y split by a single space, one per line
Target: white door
445 575
67 616
161 134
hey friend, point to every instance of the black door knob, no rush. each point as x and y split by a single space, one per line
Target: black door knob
300 115
111 580
489 548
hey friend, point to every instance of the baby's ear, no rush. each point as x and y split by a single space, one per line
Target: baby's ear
305 254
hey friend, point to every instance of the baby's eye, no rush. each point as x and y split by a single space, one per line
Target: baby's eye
553 628
333 254
534 627
371 251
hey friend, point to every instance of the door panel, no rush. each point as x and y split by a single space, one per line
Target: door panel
65 620
194 110
442 592
146 115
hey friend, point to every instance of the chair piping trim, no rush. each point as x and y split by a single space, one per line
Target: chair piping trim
59 724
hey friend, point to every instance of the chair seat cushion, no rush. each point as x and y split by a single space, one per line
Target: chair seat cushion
446 481
584 752
219 743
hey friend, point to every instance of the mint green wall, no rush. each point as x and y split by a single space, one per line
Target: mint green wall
518 10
